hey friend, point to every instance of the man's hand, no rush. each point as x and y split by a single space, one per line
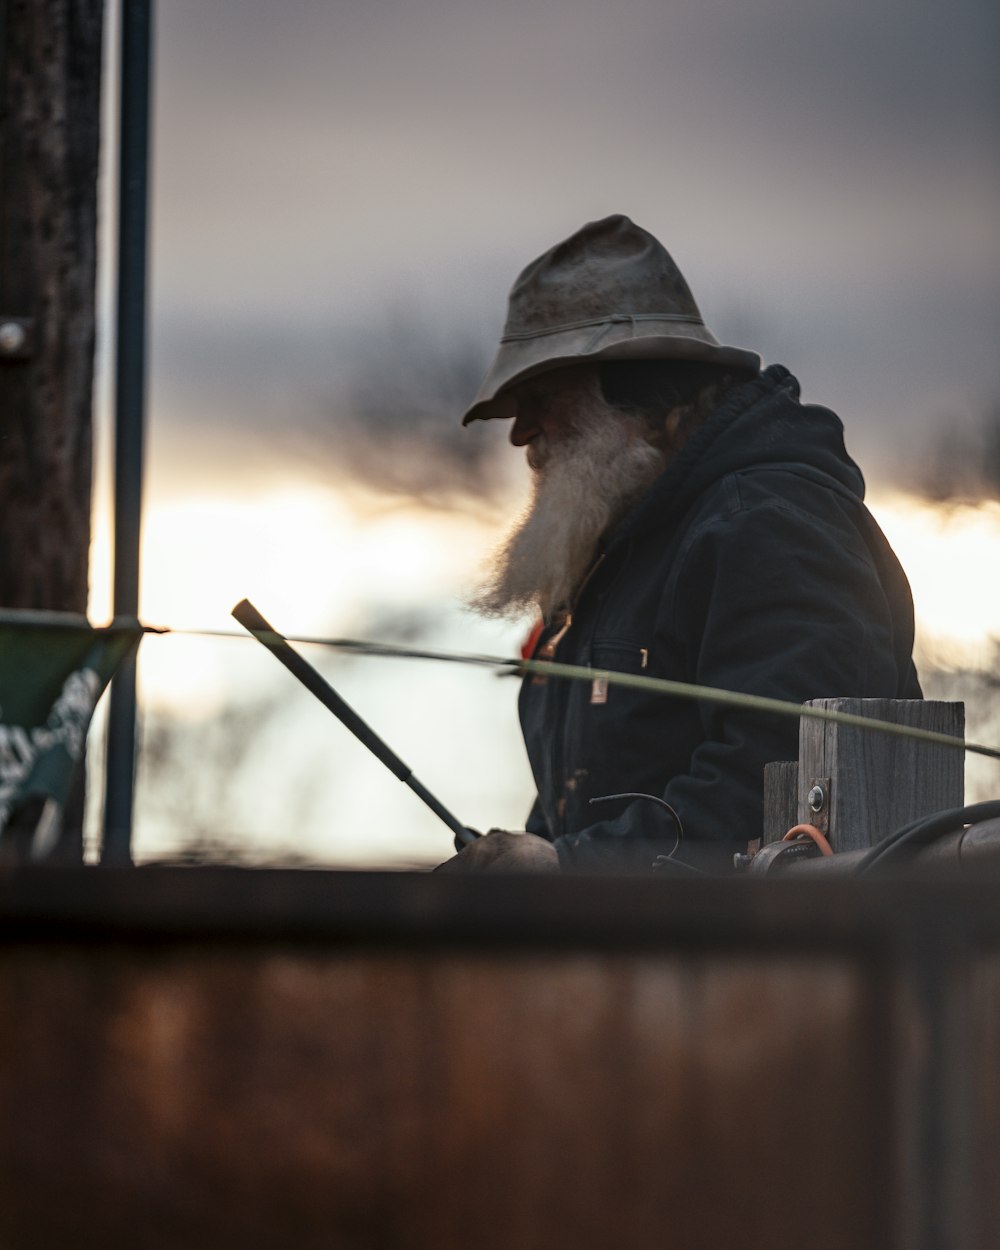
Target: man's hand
502 851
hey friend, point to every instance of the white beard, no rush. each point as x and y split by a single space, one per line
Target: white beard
586 480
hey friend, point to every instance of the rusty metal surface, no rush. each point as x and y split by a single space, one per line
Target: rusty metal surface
985 1079
251 1098
223 1057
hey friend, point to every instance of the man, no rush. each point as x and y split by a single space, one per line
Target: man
691 520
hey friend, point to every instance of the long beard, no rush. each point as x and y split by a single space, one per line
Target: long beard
585 481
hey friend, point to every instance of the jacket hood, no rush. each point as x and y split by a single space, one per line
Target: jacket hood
760 423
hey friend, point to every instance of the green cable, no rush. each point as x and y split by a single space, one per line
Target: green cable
754 702
633 681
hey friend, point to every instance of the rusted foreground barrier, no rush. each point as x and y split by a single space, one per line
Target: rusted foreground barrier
224 1058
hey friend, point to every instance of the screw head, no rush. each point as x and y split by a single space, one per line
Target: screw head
13 337
816 798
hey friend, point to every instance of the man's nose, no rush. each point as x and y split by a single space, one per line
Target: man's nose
524 430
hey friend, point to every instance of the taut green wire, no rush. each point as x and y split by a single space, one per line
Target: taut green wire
753 702
634 681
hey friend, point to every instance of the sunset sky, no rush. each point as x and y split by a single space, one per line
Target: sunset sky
342 195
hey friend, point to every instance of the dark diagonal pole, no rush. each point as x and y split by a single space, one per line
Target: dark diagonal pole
278 645
130 402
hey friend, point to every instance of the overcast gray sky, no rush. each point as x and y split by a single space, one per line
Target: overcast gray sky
330 178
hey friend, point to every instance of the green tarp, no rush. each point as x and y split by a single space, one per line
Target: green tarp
53 669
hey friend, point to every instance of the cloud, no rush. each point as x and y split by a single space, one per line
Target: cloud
376 404
825 173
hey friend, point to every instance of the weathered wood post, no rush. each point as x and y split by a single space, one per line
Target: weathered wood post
50 75
50 98
858 786
781 798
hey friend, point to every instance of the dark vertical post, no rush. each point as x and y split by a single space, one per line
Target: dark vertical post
130 393
50 108
781 798
50 115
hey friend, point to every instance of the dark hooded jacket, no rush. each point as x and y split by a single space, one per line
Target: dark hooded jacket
751 564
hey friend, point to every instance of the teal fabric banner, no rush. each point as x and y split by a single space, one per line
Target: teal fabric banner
54 667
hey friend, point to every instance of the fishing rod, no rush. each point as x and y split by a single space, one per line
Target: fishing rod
265 633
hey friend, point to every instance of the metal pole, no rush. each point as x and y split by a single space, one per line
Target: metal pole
130 396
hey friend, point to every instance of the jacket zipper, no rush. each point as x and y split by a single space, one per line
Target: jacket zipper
548 652
548 649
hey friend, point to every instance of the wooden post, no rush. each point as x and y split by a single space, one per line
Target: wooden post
50 104
860 786
50 73
781 799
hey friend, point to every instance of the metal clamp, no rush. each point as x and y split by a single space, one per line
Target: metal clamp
779 855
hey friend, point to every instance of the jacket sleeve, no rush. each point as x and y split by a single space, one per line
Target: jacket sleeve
770 599
536 822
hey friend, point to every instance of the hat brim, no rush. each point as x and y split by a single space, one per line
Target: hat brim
524 358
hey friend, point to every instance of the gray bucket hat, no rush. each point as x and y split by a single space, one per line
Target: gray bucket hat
609 292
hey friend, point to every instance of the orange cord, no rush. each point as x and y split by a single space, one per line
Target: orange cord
810 831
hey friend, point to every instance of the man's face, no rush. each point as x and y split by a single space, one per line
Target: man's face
548 407
591 463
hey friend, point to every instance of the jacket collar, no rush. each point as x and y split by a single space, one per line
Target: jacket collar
759 422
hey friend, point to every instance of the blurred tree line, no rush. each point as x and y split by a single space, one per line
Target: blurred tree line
395 424
962 463
961 467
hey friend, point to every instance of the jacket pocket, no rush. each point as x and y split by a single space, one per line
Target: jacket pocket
619 657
